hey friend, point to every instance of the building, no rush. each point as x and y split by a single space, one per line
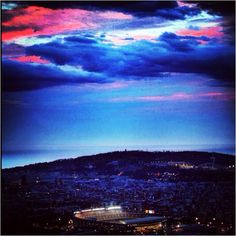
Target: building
115 220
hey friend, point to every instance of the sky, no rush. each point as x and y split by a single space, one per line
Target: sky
81 74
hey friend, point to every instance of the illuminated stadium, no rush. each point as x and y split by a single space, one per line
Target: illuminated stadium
115 219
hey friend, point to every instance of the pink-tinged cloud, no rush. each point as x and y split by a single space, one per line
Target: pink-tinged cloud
210 94
31 59
177 97
114 85
37 21
210 32
219 95
202 42
115 15
185 4
120 40
17 34
45 17
44 21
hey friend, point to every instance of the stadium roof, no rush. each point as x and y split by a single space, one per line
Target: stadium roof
147 219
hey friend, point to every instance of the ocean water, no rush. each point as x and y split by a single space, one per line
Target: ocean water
25 157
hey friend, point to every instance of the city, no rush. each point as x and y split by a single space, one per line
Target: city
186 196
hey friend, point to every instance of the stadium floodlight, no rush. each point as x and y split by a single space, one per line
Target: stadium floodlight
122 222
98 209
114 208
86 210
76 212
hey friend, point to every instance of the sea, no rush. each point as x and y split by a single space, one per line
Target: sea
25 157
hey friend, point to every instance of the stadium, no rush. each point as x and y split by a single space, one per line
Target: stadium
114 219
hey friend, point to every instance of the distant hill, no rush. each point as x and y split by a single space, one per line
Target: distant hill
123 158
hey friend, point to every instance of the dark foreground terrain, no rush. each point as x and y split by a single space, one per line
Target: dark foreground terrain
194 191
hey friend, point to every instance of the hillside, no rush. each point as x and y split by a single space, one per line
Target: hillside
129 157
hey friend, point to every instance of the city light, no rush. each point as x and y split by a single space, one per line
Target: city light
98 209
114 208
150 211
87 210
77 212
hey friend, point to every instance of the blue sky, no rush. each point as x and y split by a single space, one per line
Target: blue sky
101 74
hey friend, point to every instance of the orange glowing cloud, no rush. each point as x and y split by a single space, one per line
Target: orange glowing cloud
31 59
210 32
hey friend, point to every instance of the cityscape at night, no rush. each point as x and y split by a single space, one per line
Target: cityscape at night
125 192
118 117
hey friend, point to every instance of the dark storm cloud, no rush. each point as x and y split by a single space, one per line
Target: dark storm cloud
81 39
178 43
178 12
166 9
20 76
139 8
55 52
144 59
100 58
187 57
12 49
8 15
12 28
225 9
93 58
